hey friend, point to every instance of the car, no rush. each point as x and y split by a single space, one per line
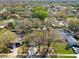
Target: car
76 50
11 51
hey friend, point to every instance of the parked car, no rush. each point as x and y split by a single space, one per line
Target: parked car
76 50
11 51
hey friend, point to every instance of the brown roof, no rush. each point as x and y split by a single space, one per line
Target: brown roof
5 14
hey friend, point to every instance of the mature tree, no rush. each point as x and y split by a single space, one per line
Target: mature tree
73 24
39 37
40 12
6 37
39 8
27 24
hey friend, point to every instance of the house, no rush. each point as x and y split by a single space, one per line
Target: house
61 24
4 24
66 23
53 22
3 10
5 15
1 27
25 14
15 15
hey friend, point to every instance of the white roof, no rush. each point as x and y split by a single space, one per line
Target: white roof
2 26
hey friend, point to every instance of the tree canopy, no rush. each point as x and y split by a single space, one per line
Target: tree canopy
40 12
5 38
73 24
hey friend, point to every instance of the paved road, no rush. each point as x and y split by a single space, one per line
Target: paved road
14 53
71 36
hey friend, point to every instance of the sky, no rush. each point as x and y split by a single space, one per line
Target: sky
37 0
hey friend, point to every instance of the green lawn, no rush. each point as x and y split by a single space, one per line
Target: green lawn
60 49
67 57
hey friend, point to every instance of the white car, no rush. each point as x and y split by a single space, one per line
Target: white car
11 50
76 50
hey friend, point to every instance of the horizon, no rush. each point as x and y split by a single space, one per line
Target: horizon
40 0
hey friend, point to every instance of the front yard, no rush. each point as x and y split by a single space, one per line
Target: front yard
60 48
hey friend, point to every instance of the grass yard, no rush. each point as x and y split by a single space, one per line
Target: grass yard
59 48
67 56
